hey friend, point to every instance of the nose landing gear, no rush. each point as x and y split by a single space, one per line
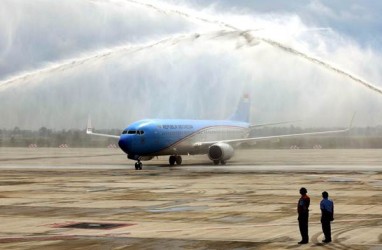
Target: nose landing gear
138 165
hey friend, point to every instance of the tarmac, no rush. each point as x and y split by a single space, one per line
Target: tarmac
69 198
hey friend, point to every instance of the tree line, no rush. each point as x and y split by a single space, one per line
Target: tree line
45 137
362 137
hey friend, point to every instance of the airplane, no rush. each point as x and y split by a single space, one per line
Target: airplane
145 139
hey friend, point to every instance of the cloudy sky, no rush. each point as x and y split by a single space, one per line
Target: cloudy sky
124 60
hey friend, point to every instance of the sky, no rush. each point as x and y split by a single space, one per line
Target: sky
124 60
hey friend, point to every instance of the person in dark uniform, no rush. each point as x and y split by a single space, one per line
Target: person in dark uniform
303 215
327 215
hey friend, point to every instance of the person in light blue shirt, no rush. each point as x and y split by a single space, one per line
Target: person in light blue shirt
327 215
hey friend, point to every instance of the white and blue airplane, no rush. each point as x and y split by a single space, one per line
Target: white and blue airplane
146 139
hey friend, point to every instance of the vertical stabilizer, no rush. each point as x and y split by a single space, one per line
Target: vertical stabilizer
243 110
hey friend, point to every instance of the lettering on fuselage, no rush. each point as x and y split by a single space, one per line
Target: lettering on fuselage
177 126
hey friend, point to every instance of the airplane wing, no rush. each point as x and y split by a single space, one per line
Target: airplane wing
89 131
271 124
266 138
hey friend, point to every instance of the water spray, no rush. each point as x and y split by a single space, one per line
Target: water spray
101 55
68 64
248 35
273 43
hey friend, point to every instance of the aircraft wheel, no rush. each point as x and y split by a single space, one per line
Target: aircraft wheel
216 162
178 159
222 162
172 160
138 166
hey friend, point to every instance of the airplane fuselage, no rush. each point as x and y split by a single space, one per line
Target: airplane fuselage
156 137
145 139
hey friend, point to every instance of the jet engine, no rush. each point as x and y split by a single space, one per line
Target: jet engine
220 152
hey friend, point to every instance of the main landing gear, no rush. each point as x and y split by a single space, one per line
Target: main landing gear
175 159
172 160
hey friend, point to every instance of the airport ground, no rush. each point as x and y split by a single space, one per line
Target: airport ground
93 199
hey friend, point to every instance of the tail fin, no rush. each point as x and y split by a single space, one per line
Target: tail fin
243 110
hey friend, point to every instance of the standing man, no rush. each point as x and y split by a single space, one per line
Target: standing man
327 213
303 215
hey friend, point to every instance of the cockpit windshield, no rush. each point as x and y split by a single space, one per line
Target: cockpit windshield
133 132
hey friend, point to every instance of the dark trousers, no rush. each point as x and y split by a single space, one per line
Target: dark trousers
303 220
326 229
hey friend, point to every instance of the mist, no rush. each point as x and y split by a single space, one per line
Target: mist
120 61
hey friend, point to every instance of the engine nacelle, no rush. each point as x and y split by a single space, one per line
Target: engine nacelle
220 152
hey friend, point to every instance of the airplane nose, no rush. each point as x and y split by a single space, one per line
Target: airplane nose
124 143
